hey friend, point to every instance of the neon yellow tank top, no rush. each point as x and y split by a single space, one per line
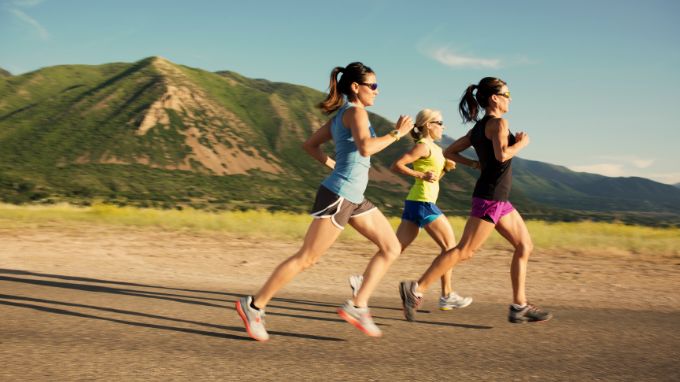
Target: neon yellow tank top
424 191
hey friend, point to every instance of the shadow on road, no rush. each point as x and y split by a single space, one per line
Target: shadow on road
165 293
21 301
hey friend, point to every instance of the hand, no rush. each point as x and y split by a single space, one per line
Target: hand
404 124
476 165
449 165
522 138
430 177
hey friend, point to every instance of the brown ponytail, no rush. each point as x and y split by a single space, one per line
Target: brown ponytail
354 72
334 99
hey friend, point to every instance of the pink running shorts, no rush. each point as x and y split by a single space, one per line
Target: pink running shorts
490 210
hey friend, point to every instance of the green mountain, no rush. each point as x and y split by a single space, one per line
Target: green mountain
4 73
154 133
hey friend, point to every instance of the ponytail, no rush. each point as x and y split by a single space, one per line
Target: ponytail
334 99
417 133
471 103
468 106
354 72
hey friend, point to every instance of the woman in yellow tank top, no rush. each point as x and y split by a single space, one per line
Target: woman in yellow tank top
420 211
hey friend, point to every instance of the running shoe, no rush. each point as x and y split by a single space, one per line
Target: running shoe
409 300
453 300
252 318
360 318
530 313
355 282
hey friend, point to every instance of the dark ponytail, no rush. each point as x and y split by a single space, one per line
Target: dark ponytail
470 103
354 72
468 106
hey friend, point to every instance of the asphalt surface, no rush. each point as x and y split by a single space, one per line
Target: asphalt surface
65 328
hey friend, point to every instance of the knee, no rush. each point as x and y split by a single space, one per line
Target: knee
524 249
391 250
467 252
305 260
452 256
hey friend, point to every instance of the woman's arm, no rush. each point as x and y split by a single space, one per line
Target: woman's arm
313 145
449 166
498 130
357 120
418 151
453 151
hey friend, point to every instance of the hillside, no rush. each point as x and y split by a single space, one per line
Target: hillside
154 133
4 73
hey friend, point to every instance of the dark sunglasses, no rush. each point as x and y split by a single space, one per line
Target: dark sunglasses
440 123
373 86
506 94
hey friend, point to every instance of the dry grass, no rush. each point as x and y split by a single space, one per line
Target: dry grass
576 237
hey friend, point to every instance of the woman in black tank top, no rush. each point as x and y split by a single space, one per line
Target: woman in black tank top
495 146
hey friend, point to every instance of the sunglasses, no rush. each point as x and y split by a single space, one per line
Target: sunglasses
506 94
373 86
440 123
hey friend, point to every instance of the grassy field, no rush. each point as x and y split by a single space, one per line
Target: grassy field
575 237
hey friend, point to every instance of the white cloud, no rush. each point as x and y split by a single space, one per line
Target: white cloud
630 168
642 163
451 58
607 169
26 3
668 178
630 160
42 32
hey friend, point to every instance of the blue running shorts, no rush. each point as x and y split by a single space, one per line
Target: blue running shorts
420 213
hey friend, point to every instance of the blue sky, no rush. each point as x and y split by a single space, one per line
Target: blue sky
595 84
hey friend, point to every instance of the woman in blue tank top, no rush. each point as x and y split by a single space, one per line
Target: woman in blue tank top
340 199
495 147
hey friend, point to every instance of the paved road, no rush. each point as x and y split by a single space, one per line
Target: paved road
60 328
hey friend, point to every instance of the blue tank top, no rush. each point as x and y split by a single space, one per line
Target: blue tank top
350 176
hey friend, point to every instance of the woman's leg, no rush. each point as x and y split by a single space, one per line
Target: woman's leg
320 235
474 235
406 233
375 227
441 232
514 230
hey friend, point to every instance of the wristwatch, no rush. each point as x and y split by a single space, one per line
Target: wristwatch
395 134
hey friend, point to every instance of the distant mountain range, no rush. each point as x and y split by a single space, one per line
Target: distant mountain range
154 133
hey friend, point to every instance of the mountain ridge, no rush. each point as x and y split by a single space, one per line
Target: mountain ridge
155 133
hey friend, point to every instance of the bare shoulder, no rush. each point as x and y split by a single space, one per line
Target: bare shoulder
356 112
420 149
355 116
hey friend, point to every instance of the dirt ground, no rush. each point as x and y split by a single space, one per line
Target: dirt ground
96 302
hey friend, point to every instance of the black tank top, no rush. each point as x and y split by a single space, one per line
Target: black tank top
496 177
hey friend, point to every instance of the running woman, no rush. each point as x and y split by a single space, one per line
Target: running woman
420 209
340 199
495 146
